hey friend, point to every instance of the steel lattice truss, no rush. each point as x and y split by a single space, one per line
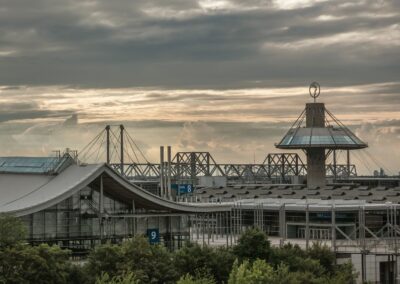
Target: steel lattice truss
342 171
192 165
189 166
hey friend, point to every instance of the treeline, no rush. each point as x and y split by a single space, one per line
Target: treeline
252 260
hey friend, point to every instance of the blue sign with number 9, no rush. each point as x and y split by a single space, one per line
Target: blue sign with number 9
154 236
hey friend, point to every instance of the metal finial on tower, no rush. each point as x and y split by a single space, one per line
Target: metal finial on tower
314 90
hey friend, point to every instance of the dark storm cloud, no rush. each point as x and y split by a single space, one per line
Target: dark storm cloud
182 44
215 74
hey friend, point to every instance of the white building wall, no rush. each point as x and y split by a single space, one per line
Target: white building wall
372 263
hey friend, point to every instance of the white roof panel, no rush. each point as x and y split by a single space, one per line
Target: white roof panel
47 194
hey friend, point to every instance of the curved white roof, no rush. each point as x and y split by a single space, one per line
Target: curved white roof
26 194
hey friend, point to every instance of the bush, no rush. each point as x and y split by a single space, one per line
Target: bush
253 244
194 260
106 259
128 278
251 273
41 264
324 255
149 263
189 279
12 230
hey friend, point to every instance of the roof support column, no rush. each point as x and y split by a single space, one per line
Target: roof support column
162 171
348 163
108 143
334 166
333 232
316 167
122 148
101 201
282 224
315 118
101 207
169 194
307 225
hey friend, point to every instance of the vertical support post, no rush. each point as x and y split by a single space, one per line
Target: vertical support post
395 242
121 127
333 232
101 209
193 167
178 168
269 165
161 171
307 226
208 229
101 201
240 219
283 168
216 227
348 163
213 222
226 229
255 213
282 224
334 166
198 224
262 216
234 220
108 143
133 220
361 215
169 193
208 164
203 228
231 224
363 270
316 172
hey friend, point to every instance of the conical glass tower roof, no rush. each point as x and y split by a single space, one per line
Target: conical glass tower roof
333 135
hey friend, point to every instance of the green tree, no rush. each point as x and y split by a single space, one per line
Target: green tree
128 278
41 264
12 230
344 273
283 276
150 263
194 260
252 273
189 279
253 244
324 255
104 258
220 265
296 259
286 254
78 275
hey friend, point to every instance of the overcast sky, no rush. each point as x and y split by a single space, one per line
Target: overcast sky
226 76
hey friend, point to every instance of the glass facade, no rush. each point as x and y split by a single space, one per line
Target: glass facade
75 222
